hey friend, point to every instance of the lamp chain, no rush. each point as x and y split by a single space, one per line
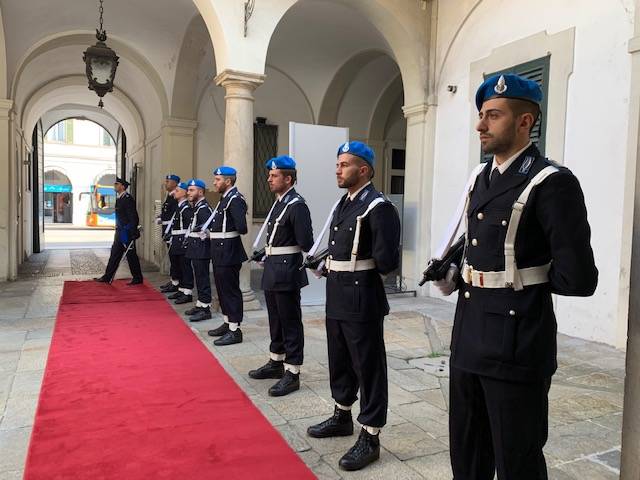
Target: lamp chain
101 12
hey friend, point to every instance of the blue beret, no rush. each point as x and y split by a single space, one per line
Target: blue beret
196 182
226 171
508 86
358 149
173 177
182 185
122 182
283 161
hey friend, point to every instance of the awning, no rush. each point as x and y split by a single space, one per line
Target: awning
57 188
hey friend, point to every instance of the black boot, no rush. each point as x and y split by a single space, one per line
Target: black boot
101 279
365 451
183 299
201 314
175 296
170 289
165 285
339 425
135 281
271 369
229 338
218 332
290 382
192 310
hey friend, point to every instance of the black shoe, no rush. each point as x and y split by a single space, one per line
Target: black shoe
184 299
218 332
290 382
365 451
135 281
175 296
165 285
271 369
192 310
101 280
170 289
200 315
229 338
339 425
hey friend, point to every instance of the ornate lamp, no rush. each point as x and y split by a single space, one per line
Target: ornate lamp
101 63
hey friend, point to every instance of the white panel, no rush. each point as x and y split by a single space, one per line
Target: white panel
314 148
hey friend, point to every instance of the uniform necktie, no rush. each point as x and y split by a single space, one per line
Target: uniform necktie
495 174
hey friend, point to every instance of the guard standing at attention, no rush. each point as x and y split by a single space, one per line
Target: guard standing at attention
364 245
167 215
227 254
126 234
199 249
289 233
527 238
177 246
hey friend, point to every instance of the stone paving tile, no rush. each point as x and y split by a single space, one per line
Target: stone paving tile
587 469
27 383
433 467
12 341
19 412
13 445
12 475
388 467
569 442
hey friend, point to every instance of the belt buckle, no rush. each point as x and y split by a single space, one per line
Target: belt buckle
481 279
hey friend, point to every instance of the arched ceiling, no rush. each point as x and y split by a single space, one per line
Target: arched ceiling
155 28
84 112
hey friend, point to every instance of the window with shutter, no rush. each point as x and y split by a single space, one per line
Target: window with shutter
537 70
265 146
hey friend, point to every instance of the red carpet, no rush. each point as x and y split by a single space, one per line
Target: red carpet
130 393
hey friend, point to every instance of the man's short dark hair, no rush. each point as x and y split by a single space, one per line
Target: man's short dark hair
362 161
290 173
232 178
520 107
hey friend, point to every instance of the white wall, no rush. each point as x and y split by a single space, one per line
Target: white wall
595 140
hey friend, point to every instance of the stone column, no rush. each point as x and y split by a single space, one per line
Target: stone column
630 465
238 152
8 190
418 191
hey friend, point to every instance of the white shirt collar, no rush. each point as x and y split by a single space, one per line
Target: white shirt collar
181 202
121 194
171 192
505 165
224 195
353 195
279 197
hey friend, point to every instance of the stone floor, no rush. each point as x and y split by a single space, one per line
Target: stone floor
585 399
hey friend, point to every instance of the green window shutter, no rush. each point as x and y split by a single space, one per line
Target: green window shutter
265 146
538 71
68 131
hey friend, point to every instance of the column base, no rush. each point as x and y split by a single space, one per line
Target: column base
250 301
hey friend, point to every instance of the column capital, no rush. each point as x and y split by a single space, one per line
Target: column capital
420 109
6 106
236 78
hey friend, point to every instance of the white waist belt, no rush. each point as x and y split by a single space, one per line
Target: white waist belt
195 235
269 250
529 276
178 232
166 222
348 266
223 235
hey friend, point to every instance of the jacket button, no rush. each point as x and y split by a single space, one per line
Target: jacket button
333 242
335 229
350 229
467 295
512 313
474 242
504 223
285 261
480 216
356 282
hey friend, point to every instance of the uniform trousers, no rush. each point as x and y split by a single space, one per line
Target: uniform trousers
357 360
175 267
227 280
497 425
117 250
203 281
285 324
186 272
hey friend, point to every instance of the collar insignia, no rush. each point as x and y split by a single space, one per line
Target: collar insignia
501 86
526 165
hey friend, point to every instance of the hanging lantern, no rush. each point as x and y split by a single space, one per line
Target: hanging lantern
101 63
